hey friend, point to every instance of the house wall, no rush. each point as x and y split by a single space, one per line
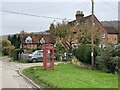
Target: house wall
98 24
113 38
29 46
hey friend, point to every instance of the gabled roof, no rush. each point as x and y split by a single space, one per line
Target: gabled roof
111 30
28 38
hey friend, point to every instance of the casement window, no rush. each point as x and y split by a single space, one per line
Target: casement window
102 46
103 35
29 41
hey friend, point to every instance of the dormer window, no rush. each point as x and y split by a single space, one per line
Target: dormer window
28 39
42 41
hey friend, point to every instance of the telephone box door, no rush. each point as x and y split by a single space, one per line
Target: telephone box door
48 57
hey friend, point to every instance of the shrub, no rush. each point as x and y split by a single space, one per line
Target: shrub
8 50
83 53
108 61
4 51
113 64
116 51
5 42
110 65
100 63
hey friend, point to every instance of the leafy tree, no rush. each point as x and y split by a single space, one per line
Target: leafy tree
69 34
18 41
63 33
85 33
52 33
15 40
9 38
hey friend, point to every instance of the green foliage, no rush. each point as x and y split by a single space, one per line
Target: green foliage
15 40
63 33
108 61
6 47
100 63
83 53
8 50
113 64
85 39
85 33
5 42
59 48
9 38
52 33
16 53
116 51
110 65
4 51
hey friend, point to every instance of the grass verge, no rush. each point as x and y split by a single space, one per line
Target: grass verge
72 76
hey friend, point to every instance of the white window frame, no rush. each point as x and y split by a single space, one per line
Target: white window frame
103 36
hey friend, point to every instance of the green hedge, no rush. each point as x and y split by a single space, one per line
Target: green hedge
110 65
83 53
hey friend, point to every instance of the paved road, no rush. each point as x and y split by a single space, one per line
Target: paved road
10 77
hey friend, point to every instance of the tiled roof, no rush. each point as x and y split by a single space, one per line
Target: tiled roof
36 37
111 30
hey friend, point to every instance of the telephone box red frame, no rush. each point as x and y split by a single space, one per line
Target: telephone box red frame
47 47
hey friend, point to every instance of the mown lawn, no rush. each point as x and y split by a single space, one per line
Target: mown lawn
72 76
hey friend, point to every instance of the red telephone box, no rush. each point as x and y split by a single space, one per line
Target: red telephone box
48 56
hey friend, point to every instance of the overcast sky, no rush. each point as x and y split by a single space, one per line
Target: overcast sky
14 23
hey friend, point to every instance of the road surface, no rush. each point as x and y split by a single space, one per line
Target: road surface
9 76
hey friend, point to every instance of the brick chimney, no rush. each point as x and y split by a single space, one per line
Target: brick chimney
79 15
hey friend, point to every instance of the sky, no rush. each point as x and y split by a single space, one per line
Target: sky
14 23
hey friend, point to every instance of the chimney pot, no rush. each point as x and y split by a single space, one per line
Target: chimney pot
79 15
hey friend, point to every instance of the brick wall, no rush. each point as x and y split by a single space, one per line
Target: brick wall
113 38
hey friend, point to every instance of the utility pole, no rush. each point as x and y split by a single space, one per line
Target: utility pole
92 36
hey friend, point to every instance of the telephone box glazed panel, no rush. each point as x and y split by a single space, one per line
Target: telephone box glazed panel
48 56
